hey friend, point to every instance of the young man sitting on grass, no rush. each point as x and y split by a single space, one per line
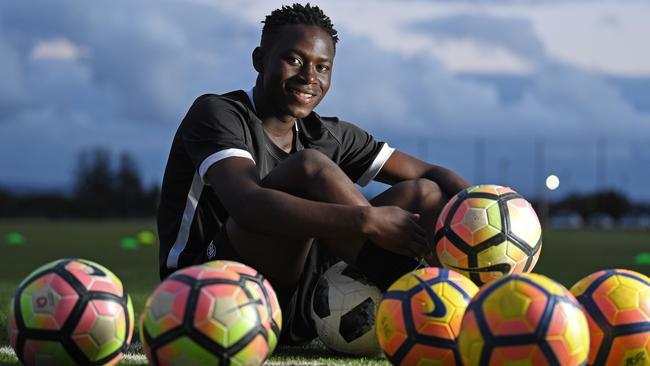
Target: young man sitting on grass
256 176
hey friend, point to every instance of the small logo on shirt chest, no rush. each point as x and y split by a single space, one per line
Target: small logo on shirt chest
212 250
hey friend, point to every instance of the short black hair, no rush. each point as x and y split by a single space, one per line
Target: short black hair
297 14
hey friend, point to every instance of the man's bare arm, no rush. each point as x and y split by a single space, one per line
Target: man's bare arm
274 212
401 166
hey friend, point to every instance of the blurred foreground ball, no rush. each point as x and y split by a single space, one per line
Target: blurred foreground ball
419 317
262 290
70 312
617 304
343 308
207 315
525 319
487 232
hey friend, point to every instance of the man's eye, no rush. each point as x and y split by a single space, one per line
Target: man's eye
293 61
322 68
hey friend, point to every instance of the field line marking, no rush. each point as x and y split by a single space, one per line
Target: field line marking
8 351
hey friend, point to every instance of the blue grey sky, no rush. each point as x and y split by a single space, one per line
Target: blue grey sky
505 92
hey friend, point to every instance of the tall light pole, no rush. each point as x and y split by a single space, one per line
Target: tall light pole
539 181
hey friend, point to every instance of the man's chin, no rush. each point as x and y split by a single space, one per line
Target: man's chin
300 112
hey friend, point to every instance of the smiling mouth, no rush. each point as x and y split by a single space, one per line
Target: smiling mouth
301 96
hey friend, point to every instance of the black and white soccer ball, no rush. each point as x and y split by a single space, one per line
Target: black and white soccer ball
344 305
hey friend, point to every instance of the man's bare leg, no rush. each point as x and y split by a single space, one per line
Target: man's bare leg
420 196
311 175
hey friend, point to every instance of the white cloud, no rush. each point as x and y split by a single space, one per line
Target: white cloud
396 76
60 49
388 25
602 36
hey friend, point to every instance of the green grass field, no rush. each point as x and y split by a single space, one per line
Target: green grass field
566 256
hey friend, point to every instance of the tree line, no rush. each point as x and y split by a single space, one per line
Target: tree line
101 189
610 202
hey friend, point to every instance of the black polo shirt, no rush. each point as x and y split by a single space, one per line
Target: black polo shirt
216 127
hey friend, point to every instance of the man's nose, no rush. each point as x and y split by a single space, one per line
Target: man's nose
308 73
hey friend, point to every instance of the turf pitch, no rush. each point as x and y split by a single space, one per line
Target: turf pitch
566 257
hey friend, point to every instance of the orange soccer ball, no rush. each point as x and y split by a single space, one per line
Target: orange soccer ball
617 304
486 232
419 317
524 319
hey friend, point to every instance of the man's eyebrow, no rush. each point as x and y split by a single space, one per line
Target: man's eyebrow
301 54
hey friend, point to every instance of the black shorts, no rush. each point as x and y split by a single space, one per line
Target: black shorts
295 301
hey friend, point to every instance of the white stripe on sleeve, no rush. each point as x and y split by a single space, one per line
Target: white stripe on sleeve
220 155
376 165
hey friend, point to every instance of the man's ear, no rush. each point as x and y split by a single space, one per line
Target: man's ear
258 59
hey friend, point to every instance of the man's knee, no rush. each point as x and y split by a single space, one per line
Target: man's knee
315 165
421 195
425 189
297 171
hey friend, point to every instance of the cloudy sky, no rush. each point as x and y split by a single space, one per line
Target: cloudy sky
505 92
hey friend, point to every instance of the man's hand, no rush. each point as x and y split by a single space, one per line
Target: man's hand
397 230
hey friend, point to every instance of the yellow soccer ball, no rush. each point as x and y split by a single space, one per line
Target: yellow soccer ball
525 319
486 232
419 317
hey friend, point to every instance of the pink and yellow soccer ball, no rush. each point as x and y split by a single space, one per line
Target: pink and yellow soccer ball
486 232
70 312
617 305
418 319
272 317
524 319
214 313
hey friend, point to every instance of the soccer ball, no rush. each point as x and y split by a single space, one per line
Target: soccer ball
204 315
419 317
487 232
617 304
343 310
524 319
272 317
70 312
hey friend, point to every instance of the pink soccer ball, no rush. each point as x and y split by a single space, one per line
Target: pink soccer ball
70 312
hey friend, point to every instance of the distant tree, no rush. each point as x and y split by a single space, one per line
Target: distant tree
42 205
5 202
99 191
128 187
152 199
94 183
93 174
612 203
